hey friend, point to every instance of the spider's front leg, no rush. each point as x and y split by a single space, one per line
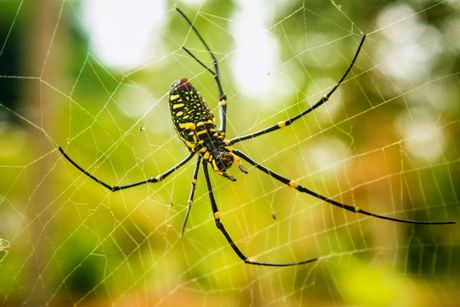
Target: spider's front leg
351 208
322 100
220 226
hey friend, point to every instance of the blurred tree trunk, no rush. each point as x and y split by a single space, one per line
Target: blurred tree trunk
42 43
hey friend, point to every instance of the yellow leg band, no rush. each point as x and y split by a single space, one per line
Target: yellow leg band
293 184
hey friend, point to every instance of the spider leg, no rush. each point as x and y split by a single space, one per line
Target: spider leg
192 193
220 226
350 208
289 121
114 188
198 60
215 73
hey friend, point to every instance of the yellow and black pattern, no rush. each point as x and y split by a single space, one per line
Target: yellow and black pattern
195 124
196 127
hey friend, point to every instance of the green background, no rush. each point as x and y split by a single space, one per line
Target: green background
66 240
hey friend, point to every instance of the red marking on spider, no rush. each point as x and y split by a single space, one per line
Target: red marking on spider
184 84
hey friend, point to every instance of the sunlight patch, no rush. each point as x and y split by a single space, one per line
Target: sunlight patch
120 32
403 56
254 61
423 137
327 155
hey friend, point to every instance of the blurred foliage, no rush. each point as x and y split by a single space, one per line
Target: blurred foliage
73 242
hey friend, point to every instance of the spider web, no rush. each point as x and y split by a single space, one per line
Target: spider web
386 141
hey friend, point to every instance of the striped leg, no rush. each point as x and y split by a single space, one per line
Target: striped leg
192 194
114 188
350 208
215 73
220 226
289 121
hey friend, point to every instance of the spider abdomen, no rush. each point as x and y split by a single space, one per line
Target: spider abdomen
195 124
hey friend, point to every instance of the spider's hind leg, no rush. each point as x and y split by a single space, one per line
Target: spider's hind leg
215 73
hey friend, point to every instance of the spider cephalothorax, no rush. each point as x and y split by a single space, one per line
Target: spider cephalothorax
224 159
196 127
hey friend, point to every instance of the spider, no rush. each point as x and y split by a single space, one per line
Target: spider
196 127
